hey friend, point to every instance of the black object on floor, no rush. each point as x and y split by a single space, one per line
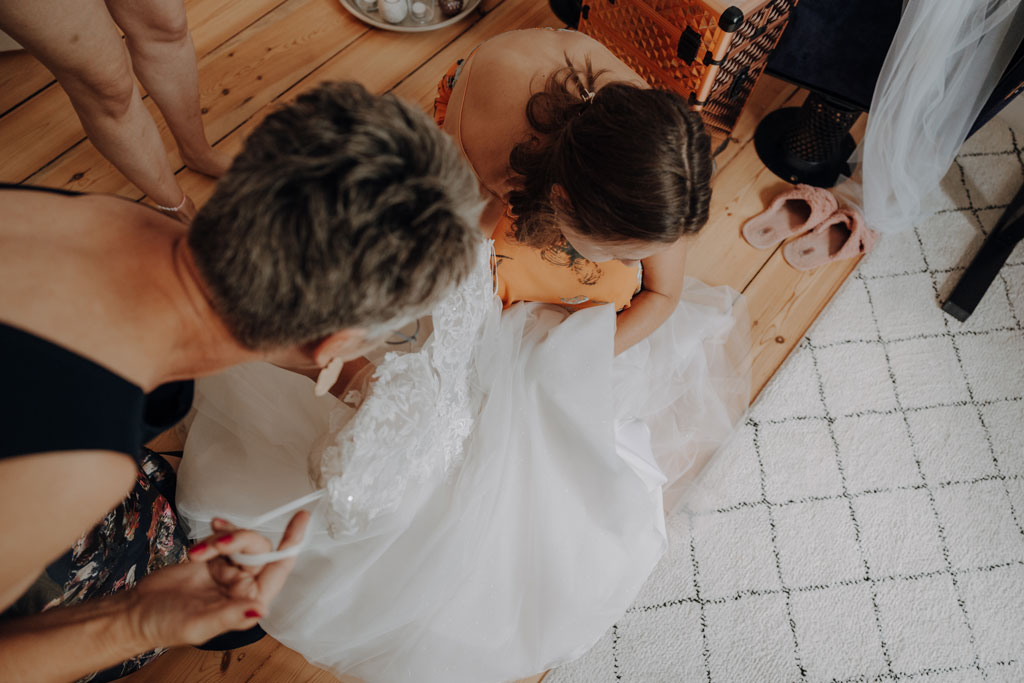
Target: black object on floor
985 265
567 10
232 640
1009 229
808 144
835 50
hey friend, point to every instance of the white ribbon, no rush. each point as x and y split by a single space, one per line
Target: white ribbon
275 555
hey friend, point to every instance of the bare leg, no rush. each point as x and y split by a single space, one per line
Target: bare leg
79 43
164 59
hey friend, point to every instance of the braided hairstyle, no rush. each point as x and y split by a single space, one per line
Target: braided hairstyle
635 163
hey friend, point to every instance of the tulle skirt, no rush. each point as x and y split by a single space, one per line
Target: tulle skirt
521 552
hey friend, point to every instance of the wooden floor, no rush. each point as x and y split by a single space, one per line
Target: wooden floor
254 54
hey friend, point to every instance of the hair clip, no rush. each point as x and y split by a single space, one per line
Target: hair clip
588 95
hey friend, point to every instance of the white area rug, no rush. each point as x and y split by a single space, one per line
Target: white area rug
866 522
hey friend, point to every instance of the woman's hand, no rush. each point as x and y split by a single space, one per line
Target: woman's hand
208 595
657 301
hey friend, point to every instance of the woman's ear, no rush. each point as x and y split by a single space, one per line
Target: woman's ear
344 344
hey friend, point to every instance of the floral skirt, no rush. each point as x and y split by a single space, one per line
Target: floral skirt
139 536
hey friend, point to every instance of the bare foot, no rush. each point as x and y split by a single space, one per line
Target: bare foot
211 162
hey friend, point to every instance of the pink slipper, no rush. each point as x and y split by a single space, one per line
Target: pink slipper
792 212
841 236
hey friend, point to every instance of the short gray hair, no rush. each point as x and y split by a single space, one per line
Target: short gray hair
344 210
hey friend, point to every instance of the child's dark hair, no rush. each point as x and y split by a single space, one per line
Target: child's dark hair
635 163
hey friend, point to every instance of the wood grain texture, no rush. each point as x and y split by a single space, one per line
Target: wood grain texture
21 76
783 303
266 661
370 60
36 132
214 22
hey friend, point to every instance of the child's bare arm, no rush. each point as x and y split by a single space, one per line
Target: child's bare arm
663 284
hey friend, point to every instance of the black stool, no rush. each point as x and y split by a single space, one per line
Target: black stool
835 50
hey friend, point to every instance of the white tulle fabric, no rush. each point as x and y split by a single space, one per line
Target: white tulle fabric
943 64
419 414
495 501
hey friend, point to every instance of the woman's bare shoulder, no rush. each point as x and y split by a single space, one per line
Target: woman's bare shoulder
524 60
490 116
500 78
79 487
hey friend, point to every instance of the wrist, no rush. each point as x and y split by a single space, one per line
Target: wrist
129 628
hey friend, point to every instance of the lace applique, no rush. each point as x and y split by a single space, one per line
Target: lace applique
414 420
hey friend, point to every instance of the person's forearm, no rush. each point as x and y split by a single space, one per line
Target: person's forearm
65 644
646 312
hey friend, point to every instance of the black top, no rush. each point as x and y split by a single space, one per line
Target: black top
55 400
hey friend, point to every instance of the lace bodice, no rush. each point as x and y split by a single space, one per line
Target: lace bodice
412 424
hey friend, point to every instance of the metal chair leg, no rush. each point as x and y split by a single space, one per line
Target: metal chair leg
985 265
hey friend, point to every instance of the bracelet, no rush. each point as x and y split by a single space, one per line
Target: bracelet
174 209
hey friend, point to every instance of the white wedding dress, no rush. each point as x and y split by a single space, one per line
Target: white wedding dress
494 504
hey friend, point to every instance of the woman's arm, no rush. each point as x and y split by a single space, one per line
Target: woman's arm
662 286
183 604
46 502
68 643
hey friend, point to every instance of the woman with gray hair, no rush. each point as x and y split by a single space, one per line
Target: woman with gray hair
345 215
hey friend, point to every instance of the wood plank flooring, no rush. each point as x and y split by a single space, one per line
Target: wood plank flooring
255 54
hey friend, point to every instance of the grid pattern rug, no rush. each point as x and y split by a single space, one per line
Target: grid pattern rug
865 524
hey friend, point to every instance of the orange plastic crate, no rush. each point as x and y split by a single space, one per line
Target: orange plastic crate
710 52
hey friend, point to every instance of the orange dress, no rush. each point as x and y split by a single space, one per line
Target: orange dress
555 274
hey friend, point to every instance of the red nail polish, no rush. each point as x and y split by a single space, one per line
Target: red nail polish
227 538
252 614
197 548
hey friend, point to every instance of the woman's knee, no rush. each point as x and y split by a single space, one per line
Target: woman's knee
157 25
103 90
